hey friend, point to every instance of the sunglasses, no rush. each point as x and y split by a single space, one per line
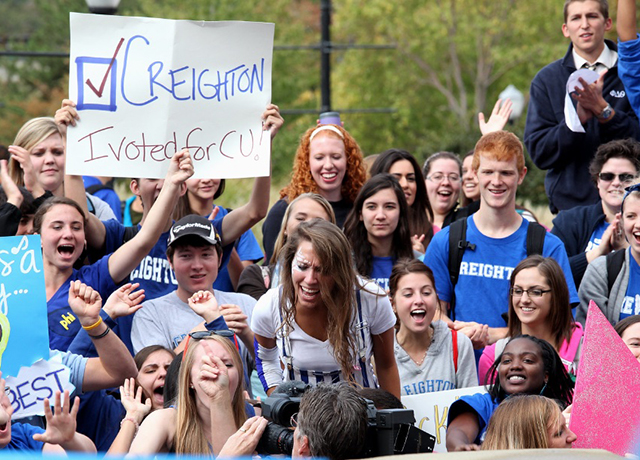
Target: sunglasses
199 335
609 177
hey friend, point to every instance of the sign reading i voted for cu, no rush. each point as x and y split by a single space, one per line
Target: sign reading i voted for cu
146 88
24 336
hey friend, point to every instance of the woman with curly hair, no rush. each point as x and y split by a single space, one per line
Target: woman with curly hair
328 162
323 323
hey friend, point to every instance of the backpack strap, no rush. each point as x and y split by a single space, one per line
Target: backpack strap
454 340
535 238
92 189
615 260
457 245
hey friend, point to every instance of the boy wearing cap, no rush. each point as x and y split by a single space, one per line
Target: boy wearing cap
194 253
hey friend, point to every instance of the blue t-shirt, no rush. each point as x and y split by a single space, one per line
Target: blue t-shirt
248 249
154 272
631 302
482 405
63 325
22 437
381 271
482 291
596 237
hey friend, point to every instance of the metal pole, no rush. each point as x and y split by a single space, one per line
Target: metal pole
325 55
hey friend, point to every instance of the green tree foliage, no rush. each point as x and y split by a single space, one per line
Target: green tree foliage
453 58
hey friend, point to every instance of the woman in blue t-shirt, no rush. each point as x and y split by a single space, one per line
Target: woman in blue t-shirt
61 222
378 228
527 365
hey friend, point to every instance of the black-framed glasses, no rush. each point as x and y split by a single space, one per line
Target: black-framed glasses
199 335
609 177
535 292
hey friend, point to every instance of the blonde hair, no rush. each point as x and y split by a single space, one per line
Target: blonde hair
282 237
522 422
31 134
190 437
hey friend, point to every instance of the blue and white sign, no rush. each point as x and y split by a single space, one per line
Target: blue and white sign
24 330
146 88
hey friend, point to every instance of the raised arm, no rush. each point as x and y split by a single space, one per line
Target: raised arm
114 362
243 218
66 116
626 20
129 255
61 427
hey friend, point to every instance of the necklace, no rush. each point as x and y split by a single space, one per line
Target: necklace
419 363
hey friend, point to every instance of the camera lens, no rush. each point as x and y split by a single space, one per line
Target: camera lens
276 439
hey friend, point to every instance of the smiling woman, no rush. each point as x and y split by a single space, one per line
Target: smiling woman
589 232
328 162
539 306
528 365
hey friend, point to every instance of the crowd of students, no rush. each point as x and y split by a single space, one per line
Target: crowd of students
397 277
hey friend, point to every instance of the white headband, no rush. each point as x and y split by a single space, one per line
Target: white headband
324 128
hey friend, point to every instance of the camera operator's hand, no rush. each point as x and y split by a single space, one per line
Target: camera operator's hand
244 441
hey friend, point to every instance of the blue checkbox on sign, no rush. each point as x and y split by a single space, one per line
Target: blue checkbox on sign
90 97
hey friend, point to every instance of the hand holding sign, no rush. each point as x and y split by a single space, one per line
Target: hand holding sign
272 120
124 301
67 115
85 303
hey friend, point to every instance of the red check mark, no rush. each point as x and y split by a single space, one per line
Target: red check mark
104 79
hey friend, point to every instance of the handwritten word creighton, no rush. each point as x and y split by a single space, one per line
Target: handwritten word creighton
146 88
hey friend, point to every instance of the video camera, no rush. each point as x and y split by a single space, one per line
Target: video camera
389 432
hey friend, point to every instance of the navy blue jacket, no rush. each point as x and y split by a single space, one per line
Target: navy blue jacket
575 227
565 154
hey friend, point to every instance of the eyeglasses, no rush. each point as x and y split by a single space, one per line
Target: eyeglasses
199 335
609 177
519 292
293 421
439 177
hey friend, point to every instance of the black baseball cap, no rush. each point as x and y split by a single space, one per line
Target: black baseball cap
194 225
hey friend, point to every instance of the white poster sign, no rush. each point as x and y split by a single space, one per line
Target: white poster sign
432 409
146 88
33 384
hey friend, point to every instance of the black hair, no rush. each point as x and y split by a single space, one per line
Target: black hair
559 385
170 391
357 234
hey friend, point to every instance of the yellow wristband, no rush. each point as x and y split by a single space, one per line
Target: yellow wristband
93 326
